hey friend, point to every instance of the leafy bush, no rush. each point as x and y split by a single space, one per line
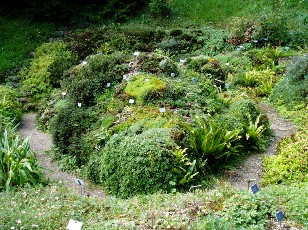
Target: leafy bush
143 87
137 162
18 164
272 26
263 81
159 8
293 86
67 128
211 142
10 107
89 79
244 115
290 163
209 67
51 60
156 63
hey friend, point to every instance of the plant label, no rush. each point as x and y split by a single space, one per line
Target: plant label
74 225
195 80
254 188
279 216
79 182
162 110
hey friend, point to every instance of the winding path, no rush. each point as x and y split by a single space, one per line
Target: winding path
40 143
252 167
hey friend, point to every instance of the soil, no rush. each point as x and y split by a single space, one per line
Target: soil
251 170
40 143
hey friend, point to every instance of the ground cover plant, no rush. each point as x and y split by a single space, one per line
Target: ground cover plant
148 109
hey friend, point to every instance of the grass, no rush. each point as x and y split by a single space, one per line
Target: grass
18 38
220 12
52 207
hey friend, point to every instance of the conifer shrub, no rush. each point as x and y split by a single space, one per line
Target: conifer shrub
156 64
137 162
67 127
88 80
292 88
51 60
208 67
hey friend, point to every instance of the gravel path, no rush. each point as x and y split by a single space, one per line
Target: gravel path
40 143
252 167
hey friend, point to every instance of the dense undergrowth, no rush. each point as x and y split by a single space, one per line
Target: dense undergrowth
146 110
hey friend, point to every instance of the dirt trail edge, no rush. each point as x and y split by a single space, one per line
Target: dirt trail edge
40 143
252 167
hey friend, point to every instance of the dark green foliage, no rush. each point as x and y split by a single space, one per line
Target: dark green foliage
67 128
86 81
209 67
159 8
293 86
274 27
156 64
136 162
211 142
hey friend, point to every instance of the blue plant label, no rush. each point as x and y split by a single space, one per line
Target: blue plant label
254 188
195 80
279 216
79 182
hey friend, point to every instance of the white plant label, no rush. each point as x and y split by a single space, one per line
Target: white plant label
74 225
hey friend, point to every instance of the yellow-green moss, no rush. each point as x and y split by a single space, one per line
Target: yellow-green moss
143 87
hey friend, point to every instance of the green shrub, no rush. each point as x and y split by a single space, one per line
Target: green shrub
209 67
159 8
88 80
293 86
18 164
51 60
290 163
156 63
67 128
10 107
211 142
263 81
136 162
244 115
143 87
272 26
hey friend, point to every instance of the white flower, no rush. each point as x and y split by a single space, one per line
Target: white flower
63 93
108 84
136 53
182 61
131 101
162 110
172 74
84 62
79 104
